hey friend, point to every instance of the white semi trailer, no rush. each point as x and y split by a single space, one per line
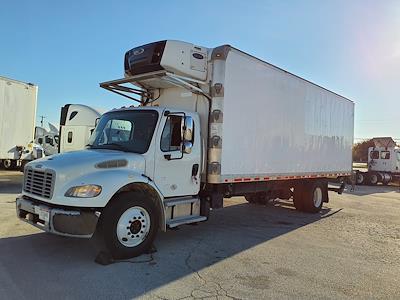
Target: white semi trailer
383 163
18 102
212 123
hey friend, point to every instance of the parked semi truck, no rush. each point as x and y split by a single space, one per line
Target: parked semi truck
48 139
212 123
77 122
18 102
383 163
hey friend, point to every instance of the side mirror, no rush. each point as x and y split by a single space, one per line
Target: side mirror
188 132
187 147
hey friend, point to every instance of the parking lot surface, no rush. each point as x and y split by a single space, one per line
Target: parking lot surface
350 250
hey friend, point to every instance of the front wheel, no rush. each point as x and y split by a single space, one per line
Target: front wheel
360 178
129 225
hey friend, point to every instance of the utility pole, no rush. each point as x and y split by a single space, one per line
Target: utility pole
41 120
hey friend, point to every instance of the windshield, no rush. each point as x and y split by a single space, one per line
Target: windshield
129 131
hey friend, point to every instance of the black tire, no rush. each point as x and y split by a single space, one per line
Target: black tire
310 189
386 178
373 178
257 198
205 208
9 164
251 198
303 196
111 216
298 197
360 178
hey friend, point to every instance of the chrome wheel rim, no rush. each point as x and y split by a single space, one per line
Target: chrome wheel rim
317 197
133 226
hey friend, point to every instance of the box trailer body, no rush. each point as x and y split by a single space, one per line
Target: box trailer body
18 102
283 125
213 123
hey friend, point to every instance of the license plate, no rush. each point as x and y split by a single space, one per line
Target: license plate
43 213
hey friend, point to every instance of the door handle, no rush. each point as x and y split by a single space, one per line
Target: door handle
195 170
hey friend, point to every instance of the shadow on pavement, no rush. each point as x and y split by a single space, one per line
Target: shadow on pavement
10 182
47 266
362 190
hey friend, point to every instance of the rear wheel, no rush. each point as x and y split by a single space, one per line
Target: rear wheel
129 225
257 198
310 196
386 178
298 198
373 178
9 164
360 178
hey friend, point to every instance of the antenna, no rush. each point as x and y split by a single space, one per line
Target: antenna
41 120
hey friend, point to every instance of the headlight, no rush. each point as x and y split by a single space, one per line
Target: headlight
84 191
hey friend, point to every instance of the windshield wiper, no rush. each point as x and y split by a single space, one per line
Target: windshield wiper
121 147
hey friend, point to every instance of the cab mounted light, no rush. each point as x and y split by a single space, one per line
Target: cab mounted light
84 191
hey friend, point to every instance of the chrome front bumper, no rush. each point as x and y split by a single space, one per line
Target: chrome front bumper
59 221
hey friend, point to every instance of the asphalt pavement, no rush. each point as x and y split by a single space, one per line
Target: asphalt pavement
245 251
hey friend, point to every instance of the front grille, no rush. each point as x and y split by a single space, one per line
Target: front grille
39 182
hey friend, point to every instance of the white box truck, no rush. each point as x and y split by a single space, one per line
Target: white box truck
17 122
212 123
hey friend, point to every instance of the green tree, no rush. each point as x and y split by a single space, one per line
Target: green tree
360 151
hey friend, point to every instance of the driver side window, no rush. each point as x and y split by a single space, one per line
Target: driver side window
171 138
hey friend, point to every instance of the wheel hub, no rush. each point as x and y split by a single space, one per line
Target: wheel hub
133 226
317 197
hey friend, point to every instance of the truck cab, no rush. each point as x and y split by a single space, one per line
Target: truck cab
383 162
77 122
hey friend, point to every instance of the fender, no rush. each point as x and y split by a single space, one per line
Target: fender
153 193
110 180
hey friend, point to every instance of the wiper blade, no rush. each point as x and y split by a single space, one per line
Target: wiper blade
115 144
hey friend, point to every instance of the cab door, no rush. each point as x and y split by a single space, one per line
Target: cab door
177 173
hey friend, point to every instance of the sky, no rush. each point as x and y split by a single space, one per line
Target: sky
68 47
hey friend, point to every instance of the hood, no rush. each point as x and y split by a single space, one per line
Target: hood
77 163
